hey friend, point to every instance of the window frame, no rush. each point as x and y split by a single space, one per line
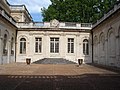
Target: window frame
70 45
54 45
5 44
86 47
38 43
23 46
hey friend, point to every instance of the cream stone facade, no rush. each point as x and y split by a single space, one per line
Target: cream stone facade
21 38
45 35
7 34
37 40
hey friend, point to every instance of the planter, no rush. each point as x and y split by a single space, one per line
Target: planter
80 61
28 61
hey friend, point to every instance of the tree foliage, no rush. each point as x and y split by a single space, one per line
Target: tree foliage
83 11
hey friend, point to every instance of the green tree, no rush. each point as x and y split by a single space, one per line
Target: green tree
83 11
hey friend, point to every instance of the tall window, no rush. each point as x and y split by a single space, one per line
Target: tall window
70 45
54 45
5 45
12 50
85 47
22 46
38 45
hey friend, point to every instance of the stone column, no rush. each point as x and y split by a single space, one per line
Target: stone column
77 47
9 51
46 46
62 45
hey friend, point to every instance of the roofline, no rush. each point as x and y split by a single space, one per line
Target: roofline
8 21
25 9
112 11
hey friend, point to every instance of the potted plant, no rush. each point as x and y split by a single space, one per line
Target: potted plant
28 61
80 61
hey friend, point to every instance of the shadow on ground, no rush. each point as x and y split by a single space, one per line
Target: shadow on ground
111 68
56 82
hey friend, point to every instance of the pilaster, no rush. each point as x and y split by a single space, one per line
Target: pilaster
117 50
1 49
62 45
77 46
9 51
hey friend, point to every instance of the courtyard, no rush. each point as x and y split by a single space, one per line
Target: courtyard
19 76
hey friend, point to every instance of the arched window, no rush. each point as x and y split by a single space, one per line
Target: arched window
12 43
111 43
22 46
102 43
85 47
5 45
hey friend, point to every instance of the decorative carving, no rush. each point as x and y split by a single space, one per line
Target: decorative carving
54 23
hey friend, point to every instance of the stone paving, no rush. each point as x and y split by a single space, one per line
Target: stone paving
54 61
19 76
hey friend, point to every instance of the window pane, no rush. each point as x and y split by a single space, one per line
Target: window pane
70 45
72 40
22 46
85 47
54 45
12 42
22 39
38 45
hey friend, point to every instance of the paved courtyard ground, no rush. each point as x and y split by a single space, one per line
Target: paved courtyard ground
19 76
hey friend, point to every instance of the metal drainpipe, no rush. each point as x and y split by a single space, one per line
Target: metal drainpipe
92 47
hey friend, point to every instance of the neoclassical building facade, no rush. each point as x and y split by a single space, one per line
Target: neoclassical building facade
21 37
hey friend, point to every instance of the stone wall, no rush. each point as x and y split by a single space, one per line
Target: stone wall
106 38
7 42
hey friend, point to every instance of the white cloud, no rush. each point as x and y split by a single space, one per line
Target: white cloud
33 6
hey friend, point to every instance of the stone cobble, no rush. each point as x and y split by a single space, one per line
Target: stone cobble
19 76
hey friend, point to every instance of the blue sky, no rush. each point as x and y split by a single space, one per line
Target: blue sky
33 6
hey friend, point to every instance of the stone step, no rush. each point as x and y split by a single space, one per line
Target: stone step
54 61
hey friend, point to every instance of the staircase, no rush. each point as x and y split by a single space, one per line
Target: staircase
53 61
